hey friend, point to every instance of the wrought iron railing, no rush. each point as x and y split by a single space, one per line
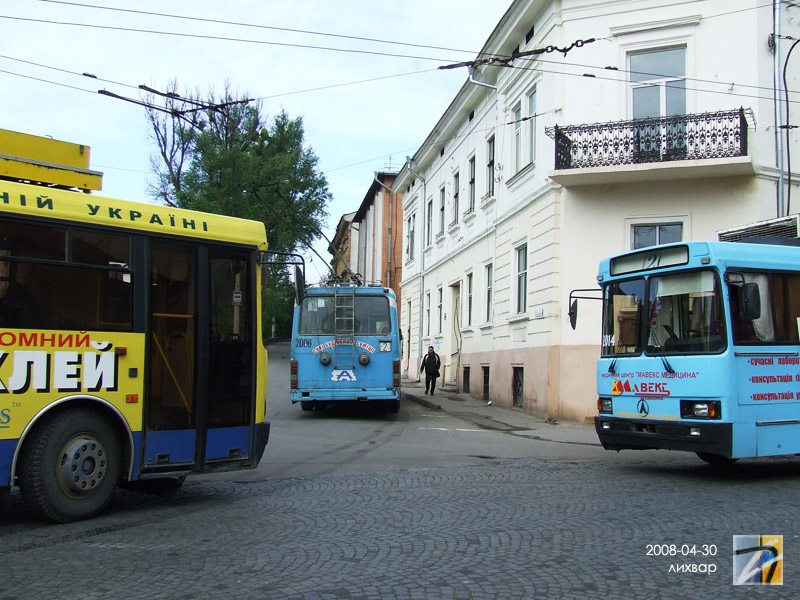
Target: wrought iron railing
685 137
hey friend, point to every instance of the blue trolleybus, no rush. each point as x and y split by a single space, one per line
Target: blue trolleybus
346 347
700 350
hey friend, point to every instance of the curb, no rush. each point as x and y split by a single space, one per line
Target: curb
423 401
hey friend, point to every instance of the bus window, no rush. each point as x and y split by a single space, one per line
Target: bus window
685 313
63 295
622 305
317 316
780 309
372 315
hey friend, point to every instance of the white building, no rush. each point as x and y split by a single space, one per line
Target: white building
497 230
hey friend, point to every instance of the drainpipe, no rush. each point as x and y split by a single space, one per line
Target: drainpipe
776 98
391 202
476 82
422 261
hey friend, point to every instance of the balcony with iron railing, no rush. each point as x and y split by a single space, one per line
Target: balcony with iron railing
687 146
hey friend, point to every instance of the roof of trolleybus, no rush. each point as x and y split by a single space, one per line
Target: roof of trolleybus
691 255
53 203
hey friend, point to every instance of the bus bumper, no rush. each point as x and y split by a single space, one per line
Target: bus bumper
344 395
649 434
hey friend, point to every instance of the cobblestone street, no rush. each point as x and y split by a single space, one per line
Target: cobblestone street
513 529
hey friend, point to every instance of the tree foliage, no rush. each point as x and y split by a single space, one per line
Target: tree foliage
221 155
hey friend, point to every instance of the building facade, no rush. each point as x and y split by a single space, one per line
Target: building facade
378 222
585 129
344 248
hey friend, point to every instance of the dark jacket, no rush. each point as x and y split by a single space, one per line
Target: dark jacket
430 364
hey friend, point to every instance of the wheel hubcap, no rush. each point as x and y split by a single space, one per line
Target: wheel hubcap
83 465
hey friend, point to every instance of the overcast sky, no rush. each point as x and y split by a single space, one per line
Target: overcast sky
373 111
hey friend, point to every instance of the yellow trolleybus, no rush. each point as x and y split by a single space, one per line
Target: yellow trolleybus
130 346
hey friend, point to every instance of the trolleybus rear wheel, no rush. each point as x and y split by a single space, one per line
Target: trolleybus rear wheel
70 466
716 459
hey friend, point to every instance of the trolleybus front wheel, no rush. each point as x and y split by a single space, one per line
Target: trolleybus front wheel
716 459
70 466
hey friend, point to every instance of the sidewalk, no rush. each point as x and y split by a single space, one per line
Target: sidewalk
496 418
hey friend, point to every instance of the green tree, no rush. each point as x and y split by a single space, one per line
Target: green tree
220 155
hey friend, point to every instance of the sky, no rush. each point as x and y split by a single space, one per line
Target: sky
365 105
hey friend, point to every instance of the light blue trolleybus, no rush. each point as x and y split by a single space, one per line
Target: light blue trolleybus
700 349
346 347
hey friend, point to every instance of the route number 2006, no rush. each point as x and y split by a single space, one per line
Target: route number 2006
681 550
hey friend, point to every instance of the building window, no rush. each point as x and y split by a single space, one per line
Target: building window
517 138
522 278
532 126
656 234
658 83
429 223
439 295
658 89
490 167
428 313
410 224
489 274
486 383
441 209
471 207
456 184
469 298
465 381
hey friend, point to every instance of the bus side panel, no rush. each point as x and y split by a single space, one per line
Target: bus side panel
769 400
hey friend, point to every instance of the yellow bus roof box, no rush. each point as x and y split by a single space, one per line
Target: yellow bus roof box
25 157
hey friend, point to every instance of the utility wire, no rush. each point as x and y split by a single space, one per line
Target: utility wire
257 26
223 38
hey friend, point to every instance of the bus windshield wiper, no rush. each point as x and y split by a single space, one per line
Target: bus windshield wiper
667 366
612 368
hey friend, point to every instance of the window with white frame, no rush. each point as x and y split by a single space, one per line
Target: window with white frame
532 126
442 199
490 167
658 90
654 234
428 313
469 299
522 278
517 138
471 198
429 223
488 278
658 82
439 307
410 226
456 185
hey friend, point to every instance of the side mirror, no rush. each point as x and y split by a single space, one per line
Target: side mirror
750 301
573 313
299 285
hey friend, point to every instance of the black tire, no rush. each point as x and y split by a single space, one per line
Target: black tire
306 405
70 465
716 459
393 406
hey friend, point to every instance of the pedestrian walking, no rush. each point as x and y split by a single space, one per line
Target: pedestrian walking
430 364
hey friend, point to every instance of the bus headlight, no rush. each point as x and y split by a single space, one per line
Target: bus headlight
706 409
605 406
325 358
